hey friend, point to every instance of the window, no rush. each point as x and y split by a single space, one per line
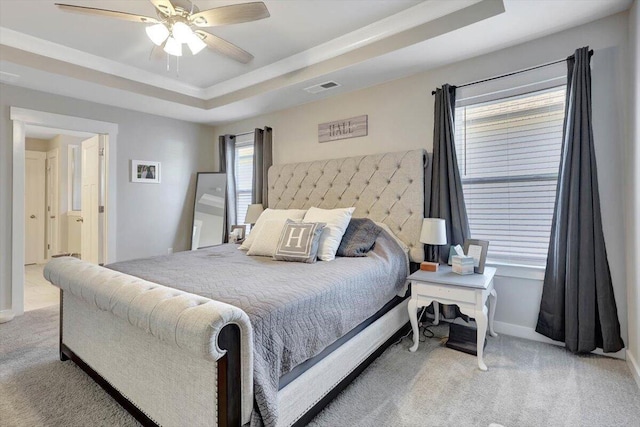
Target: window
508 153
244 175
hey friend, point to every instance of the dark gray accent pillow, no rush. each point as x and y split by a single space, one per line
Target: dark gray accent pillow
359 238
299 241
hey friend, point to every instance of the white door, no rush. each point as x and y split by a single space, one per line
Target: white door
89 199
53 213
34 204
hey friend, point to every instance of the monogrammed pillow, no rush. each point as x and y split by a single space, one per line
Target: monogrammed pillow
299 242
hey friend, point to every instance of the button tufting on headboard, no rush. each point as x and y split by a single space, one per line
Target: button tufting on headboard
387 188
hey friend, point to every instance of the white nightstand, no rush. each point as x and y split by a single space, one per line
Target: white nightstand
469 292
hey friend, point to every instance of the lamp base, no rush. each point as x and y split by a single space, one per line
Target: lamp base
429 266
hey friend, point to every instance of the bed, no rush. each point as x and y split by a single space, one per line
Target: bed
173 353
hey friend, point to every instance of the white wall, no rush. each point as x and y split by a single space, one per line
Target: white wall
632 199
36 144
150 217
401 118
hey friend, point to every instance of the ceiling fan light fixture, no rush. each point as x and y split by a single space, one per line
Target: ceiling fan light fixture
195 43
173 47
158 33
181 32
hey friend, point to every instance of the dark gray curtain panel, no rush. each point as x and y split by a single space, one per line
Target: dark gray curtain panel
447 199
262 161
578 305
227 152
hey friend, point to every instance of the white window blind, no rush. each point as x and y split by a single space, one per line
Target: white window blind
244 177
509 154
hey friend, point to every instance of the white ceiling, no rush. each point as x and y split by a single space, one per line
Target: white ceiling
358 43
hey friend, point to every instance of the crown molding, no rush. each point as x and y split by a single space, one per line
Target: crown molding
410 27
46 48
409 18
402 21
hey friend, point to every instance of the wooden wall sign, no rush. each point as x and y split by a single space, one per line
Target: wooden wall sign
343 129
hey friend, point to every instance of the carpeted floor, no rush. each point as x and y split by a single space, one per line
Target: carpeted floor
528 384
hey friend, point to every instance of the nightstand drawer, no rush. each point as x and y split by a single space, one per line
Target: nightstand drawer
445 292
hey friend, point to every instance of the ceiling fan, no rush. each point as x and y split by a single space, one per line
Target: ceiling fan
180 21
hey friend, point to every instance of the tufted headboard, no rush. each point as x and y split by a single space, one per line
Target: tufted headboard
387 188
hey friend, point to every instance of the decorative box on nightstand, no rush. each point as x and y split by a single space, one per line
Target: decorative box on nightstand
462 264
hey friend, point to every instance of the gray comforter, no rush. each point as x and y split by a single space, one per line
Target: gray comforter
296 309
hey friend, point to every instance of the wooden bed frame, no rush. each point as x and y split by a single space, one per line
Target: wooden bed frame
375 185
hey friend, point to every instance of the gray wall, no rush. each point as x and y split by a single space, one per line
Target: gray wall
401 118
150 217
632 199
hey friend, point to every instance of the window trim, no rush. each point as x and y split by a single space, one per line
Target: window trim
518 271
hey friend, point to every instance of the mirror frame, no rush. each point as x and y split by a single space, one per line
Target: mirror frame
195 202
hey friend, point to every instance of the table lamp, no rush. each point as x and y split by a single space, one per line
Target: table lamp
253 212
433 233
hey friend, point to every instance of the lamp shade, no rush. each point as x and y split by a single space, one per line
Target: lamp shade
173 47
195 43
253 212
181 32
434 231
158 33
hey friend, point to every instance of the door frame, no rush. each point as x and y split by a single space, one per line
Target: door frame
22 117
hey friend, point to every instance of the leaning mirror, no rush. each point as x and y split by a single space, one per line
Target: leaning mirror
208 210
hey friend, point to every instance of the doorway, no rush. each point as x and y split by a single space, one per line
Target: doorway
106 134
59 168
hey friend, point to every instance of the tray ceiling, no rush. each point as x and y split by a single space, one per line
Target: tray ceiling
304 42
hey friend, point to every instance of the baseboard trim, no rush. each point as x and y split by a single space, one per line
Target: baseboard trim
6 315
635 368
531 334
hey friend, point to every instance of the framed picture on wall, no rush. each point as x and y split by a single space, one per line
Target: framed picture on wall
145 171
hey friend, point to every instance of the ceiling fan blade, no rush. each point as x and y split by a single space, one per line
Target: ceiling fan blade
110 13
232 14
164 6
224 47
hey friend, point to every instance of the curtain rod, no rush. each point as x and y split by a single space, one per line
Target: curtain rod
244 133
514 73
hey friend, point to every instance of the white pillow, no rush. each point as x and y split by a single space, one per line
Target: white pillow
337 221
266 240
294 214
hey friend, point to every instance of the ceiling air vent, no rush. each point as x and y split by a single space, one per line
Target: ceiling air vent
321 87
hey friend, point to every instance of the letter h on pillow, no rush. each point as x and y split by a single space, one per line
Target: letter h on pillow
299 242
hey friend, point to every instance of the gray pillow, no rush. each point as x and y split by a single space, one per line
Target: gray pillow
359 238
299 241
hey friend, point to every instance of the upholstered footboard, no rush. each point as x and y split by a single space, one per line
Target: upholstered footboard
174 358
